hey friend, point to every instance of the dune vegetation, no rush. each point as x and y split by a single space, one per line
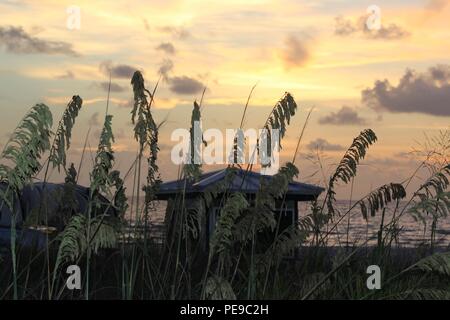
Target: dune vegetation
120 258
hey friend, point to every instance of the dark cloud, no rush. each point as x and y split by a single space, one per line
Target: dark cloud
436 5
118 70
17 3
389 32
165 68
346 27
67 75
324 145
295 52
177 32
345 116
166 47
17 40
427 92
93 121
179 84
185 85
440 73
114 87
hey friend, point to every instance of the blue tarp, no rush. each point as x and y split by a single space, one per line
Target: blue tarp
26 237
31 199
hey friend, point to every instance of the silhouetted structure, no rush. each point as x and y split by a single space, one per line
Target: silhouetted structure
246 182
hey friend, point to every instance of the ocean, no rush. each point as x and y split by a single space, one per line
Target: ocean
411 233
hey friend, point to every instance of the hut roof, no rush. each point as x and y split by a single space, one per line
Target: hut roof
247 182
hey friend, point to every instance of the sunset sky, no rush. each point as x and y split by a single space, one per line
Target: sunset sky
395 80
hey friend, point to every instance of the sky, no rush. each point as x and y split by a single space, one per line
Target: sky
394 78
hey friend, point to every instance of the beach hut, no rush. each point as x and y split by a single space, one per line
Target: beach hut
246 182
